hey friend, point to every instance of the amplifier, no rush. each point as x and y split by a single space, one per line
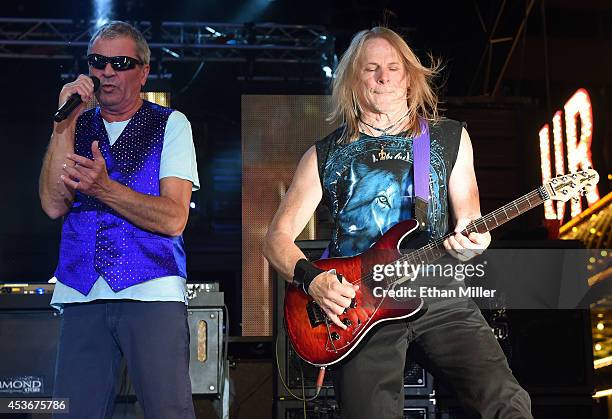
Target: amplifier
25 288
205 351
25 296
327 408
417 381
28 351
29 337
557 407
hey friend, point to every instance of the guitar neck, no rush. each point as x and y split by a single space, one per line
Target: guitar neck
506 213
435 250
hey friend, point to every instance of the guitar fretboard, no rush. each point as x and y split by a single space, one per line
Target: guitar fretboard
435 249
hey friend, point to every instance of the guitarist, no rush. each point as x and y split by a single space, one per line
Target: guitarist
364 173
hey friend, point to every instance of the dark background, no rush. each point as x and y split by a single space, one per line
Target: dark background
504 129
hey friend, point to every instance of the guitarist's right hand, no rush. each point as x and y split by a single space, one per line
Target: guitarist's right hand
332 295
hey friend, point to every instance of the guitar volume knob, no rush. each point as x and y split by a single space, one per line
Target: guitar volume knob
335 335
347 322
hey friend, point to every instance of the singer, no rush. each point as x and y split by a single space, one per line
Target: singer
121 175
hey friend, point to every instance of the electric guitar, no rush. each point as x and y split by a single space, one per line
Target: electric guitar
320 342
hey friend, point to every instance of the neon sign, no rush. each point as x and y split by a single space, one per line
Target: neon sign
578 150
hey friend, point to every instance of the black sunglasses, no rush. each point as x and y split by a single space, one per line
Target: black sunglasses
119 63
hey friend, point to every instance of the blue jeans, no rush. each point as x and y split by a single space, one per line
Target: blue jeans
153 337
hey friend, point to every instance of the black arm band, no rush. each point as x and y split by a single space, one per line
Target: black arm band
304 273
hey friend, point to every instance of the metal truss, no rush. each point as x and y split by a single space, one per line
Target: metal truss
177 41
265 42
500 45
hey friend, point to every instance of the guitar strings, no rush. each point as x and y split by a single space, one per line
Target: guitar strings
435 245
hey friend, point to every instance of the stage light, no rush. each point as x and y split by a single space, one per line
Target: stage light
598 347
602 362
214 32
328 71
103 10
251 11
600 326
192 205
171 53
603 393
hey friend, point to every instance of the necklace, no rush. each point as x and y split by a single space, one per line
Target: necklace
384 131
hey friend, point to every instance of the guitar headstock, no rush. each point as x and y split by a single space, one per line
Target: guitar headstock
563 187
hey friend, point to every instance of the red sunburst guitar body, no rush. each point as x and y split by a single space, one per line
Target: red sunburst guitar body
319 341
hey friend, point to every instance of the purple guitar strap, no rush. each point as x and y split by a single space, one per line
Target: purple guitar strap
420 148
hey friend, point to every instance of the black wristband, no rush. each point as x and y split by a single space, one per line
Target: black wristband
304 273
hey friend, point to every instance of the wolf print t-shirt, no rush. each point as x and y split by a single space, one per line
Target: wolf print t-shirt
368 184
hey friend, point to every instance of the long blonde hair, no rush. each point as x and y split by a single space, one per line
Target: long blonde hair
421 98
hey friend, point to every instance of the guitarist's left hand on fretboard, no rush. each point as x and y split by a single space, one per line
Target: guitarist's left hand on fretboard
464 245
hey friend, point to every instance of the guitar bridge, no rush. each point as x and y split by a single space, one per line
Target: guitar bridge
315 314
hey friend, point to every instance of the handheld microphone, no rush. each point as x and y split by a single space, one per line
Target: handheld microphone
73 102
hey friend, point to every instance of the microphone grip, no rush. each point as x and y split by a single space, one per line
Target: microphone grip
66 109
73 102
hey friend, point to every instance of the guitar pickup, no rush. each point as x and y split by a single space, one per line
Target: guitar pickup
315 314
352 305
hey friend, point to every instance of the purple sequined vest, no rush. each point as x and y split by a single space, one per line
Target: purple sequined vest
96 240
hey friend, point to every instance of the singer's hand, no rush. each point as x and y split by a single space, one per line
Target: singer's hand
87 176
84 86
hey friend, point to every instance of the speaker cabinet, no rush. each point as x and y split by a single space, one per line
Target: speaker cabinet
551 351
205 352
28 350
327 408
298 374
566 407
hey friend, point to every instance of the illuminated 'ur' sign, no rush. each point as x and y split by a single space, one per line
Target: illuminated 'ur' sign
578 150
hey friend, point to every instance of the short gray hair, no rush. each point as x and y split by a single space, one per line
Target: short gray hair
119 29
